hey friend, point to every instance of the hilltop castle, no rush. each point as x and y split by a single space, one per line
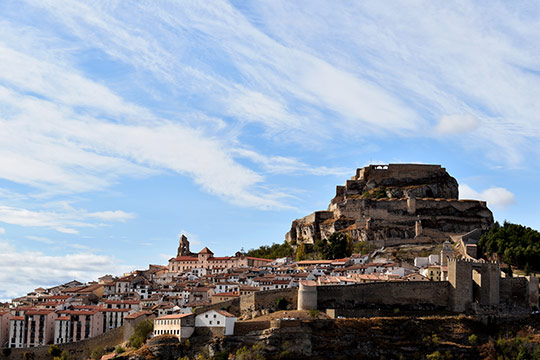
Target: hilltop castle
395 204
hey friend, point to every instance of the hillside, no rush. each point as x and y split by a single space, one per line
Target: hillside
450 337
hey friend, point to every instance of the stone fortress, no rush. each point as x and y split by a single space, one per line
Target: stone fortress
399 204
395 204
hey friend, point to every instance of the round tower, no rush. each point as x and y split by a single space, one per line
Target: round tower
307 296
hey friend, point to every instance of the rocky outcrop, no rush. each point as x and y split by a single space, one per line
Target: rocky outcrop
386 203
393 337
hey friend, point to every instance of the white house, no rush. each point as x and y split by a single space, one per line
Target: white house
216 318
180 325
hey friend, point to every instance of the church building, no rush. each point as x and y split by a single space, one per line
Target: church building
185 260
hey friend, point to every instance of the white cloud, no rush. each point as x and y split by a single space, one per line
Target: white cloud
23 271
40 239
457 124
63 220
499 198
288 165
2 231
69 151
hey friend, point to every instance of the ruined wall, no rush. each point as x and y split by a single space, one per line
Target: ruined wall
267 300
398 172
414 295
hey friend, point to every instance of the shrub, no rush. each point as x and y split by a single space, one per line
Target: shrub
136 342
314 313
64 355
119 349
473 339
97 353
222 355
54 350
281 304
437 355
256 352
142 330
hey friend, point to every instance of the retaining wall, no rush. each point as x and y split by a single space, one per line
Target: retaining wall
245 327
77 350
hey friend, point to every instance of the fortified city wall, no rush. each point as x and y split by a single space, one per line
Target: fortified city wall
471 287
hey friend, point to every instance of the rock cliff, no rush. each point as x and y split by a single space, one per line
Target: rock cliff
395 204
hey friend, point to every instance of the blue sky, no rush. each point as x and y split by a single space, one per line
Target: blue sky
124 124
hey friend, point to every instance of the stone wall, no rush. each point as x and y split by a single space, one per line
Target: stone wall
513 291
409 295
232 306
266 300
245 327
77 350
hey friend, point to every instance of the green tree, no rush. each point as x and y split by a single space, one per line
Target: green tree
515 244
272 252
301 252
337 246
142 330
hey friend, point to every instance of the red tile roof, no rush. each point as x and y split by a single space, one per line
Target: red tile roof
227 294
206 251
116 310
254 258
185 258
219 258
78 312
39 312
225 313
139 314
173 316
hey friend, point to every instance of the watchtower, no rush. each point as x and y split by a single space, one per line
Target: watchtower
446 253
471 281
